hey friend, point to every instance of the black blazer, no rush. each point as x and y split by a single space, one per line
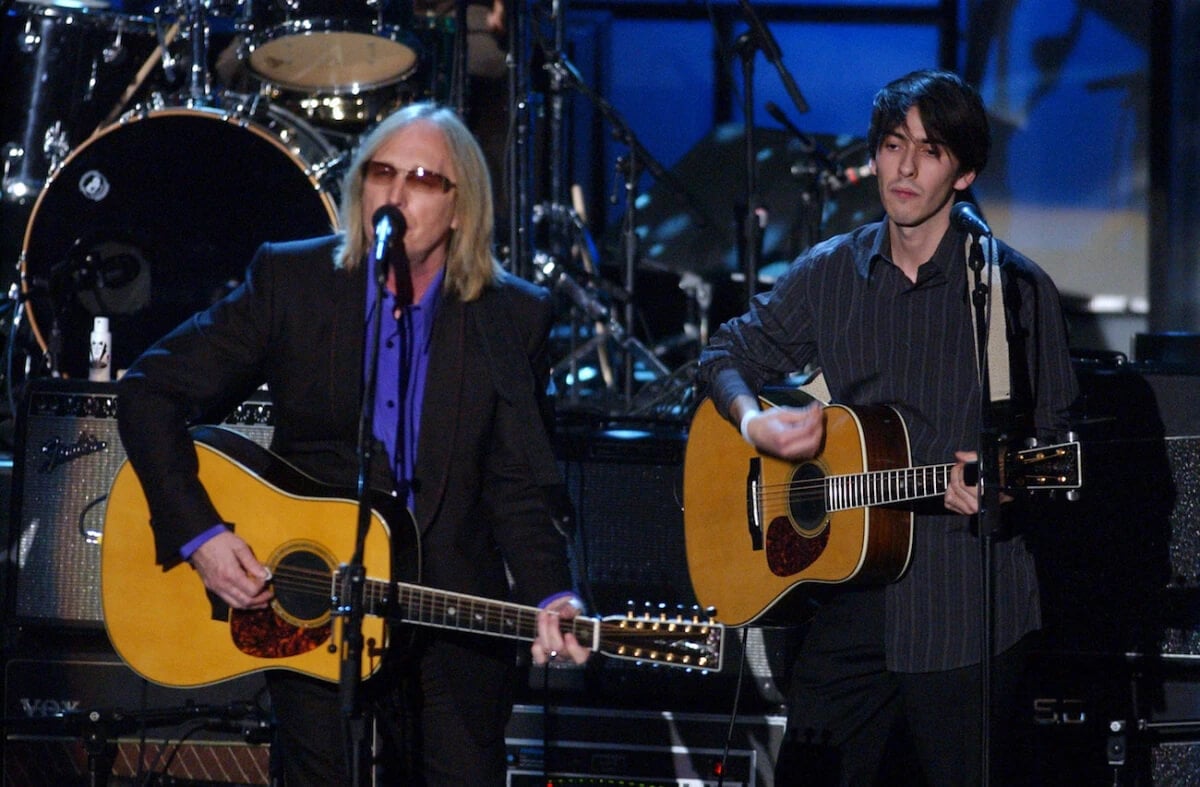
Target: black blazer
296 324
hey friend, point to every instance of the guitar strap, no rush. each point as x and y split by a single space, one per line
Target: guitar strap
999 378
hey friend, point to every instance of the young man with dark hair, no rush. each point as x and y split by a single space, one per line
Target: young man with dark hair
885 311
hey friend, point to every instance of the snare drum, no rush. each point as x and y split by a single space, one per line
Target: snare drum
157 216
330 46
355 112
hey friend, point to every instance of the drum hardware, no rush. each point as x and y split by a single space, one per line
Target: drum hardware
568 237
695 326
13 187
57 79
610 337
162 55
199 80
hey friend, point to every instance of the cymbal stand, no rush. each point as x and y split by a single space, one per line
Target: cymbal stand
630 167
199 82
567 237
517 165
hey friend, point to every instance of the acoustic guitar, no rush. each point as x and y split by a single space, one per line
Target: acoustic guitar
171 631
759 529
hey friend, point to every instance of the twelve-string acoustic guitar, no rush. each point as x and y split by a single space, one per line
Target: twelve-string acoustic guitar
169 630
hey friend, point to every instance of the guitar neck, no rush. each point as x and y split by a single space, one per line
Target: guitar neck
678 642
884 487
445 609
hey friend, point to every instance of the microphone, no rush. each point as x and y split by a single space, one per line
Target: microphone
965 216
390 227
833 177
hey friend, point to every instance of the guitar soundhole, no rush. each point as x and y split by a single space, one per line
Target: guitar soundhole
806 499
302 587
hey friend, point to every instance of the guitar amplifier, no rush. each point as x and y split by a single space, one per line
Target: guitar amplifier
65 690
67 454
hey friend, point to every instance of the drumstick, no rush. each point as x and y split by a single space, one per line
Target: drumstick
140 77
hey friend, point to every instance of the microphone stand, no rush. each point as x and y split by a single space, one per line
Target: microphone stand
752 216
354 574
753 220
989 491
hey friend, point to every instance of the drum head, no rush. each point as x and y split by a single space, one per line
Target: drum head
332 60
154 219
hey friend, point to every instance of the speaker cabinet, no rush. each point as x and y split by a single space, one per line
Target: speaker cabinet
1120 567
67 454
626 482
1120 580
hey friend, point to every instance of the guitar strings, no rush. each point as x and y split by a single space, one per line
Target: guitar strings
907 481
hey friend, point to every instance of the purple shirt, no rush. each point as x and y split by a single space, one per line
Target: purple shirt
403 368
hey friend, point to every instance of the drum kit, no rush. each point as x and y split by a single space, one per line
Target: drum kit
144 188
146 157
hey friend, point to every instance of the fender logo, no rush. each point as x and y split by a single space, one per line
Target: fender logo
56 453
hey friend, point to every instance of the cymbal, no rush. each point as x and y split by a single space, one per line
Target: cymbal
689 222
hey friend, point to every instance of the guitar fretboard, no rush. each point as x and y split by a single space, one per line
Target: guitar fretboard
881 487
449 610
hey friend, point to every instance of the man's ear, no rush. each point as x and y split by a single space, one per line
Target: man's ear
965 180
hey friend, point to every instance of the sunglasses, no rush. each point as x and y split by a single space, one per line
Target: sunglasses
381 174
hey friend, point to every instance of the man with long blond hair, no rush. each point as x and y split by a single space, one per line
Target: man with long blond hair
459 415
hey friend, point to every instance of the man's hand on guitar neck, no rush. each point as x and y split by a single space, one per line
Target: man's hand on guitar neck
553 643
961 498
227 566
793 433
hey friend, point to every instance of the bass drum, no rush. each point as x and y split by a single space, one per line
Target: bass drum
156 217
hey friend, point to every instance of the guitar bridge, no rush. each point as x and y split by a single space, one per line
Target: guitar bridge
754 514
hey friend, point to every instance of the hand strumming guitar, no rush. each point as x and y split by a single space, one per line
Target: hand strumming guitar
227 566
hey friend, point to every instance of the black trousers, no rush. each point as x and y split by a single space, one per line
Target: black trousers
853 722
422 734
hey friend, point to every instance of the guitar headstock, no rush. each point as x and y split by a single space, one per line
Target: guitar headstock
693 642
1045 468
